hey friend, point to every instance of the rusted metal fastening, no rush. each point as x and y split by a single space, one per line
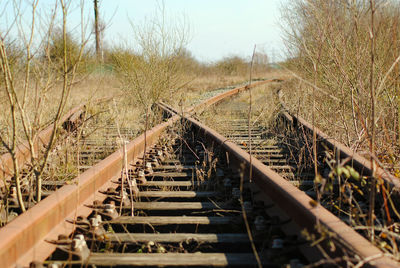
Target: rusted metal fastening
260 223
275 249
141 176
110 191
220 173
96 226
227 183
97 204
80 221
76 246
109 211
165 150
149 168
154 161
75 120
95 221
126 201
235 193
79 247
160 154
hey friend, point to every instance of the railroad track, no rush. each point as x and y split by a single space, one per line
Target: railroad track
343 175
194 206
186 213
263 143
85 141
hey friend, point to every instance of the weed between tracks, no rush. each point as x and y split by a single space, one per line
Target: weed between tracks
338 187
265 108
344 191
345 56
80 148
211 173
346 59
97 136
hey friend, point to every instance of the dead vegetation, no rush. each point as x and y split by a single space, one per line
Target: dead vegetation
48 68
329 45
344 57
265 107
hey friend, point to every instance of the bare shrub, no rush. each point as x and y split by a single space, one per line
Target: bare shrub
232 65
55 51
261 63
32 89
346 55
153 70
329 43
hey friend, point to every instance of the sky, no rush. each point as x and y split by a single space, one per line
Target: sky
218 28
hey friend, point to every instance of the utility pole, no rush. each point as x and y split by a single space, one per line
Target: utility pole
97 30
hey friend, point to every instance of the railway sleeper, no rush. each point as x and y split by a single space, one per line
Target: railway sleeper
176 227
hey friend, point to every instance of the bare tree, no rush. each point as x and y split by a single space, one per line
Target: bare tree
152 70
349 51
34 87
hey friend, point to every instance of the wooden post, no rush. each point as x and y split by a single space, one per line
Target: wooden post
97 30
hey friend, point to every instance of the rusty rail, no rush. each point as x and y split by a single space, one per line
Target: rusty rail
296 203
24 239
357 161
23 152
223 96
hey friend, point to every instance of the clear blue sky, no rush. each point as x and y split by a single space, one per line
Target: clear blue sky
219 28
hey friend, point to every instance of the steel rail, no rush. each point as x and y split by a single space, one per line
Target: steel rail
296 203
360 163
23 152
24 239
223 96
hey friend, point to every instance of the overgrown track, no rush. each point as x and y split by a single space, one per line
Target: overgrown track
298 203
23 152
291 122
196 207
48 217
84 141
343 181
187 213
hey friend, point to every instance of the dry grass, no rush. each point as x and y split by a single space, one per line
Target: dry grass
86 90
264 108
349 80
94 86
203 84
345 58
64 160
